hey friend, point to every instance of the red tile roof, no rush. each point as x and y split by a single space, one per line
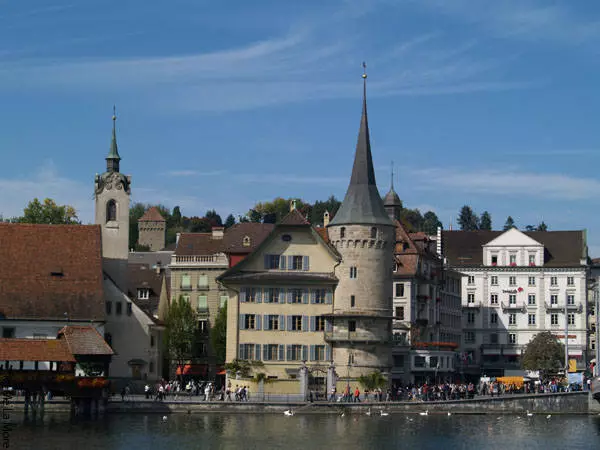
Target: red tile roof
84 340
231 242
50 270
35 350
294 217
152 215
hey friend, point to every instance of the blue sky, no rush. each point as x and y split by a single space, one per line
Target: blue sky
225 103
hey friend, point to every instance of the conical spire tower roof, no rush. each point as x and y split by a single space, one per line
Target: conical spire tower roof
362 203
113 158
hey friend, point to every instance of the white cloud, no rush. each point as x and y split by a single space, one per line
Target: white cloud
507 181
46 182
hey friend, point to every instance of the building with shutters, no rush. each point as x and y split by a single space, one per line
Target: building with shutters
280 295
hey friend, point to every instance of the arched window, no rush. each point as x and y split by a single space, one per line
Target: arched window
374 233
342 232
111 210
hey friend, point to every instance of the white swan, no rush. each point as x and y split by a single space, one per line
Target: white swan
548 416
426 413
289 413
383 414
368 413
164 419
529 414
449 413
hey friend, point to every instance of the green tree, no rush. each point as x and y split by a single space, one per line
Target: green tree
214 219
229 221
467 219
485 222
373 380
542 227
332 205
175 217
411 219
430 223
180 332
510 223
218 334
48 212
254 216
544 353
529 228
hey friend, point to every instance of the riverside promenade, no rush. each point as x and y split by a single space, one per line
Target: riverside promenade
558 403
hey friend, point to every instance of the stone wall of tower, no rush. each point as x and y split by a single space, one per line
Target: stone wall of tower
372 291
153 234
115 233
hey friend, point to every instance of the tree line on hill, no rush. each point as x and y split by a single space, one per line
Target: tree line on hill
468 220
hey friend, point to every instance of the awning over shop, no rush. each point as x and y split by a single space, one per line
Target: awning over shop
222 372
192 369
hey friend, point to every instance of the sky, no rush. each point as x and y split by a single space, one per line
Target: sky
221 104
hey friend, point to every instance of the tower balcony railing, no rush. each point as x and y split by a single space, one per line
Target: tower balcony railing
352 336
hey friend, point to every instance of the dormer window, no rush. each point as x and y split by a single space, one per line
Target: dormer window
246 241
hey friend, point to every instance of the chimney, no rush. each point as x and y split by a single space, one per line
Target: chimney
158 267
217 232
438 244
326 218
177 239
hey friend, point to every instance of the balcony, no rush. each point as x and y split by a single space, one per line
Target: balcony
577 307
352 336
200 260
472 305
186 288
514 307
203 287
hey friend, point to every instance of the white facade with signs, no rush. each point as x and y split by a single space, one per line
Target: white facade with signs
512 296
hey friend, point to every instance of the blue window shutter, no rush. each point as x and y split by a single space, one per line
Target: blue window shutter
290 262
257 321
258 295
241 352
313 296
265 352
328 352
305 263
282 322
281 352
257 352
305 293
266 325
304 323
267 260
242 321
312 352
289 353
289 323
329 325
329 297
243 295
290 295
313 323
282 262
304 352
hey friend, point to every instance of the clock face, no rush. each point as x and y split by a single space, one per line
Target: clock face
286 238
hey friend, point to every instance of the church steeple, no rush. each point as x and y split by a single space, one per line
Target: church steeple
362 203
113 158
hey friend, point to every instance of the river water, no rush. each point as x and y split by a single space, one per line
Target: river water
313 431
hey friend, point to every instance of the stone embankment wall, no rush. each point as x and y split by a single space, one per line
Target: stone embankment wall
566 403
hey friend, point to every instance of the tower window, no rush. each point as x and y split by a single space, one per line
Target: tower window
352 301
353 272
342 232
374 233
111 210
352 326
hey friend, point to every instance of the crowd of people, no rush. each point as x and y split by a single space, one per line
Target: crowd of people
204 390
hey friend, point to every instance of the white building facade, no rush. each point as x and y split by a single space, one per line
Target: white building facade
515 285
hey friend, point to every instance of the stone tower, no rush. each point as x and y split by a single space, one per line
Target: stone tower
391 202
152 228
364 235
112 190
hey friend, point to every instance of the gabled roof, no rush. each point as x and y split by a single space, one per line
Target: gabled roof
362 203
294 217
561 248
51 272
143 276
35 350
513 237
233 239
152 215
198 244
84 340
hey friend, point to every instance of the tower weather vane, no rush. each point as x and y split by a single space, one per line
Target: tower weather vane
364 64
